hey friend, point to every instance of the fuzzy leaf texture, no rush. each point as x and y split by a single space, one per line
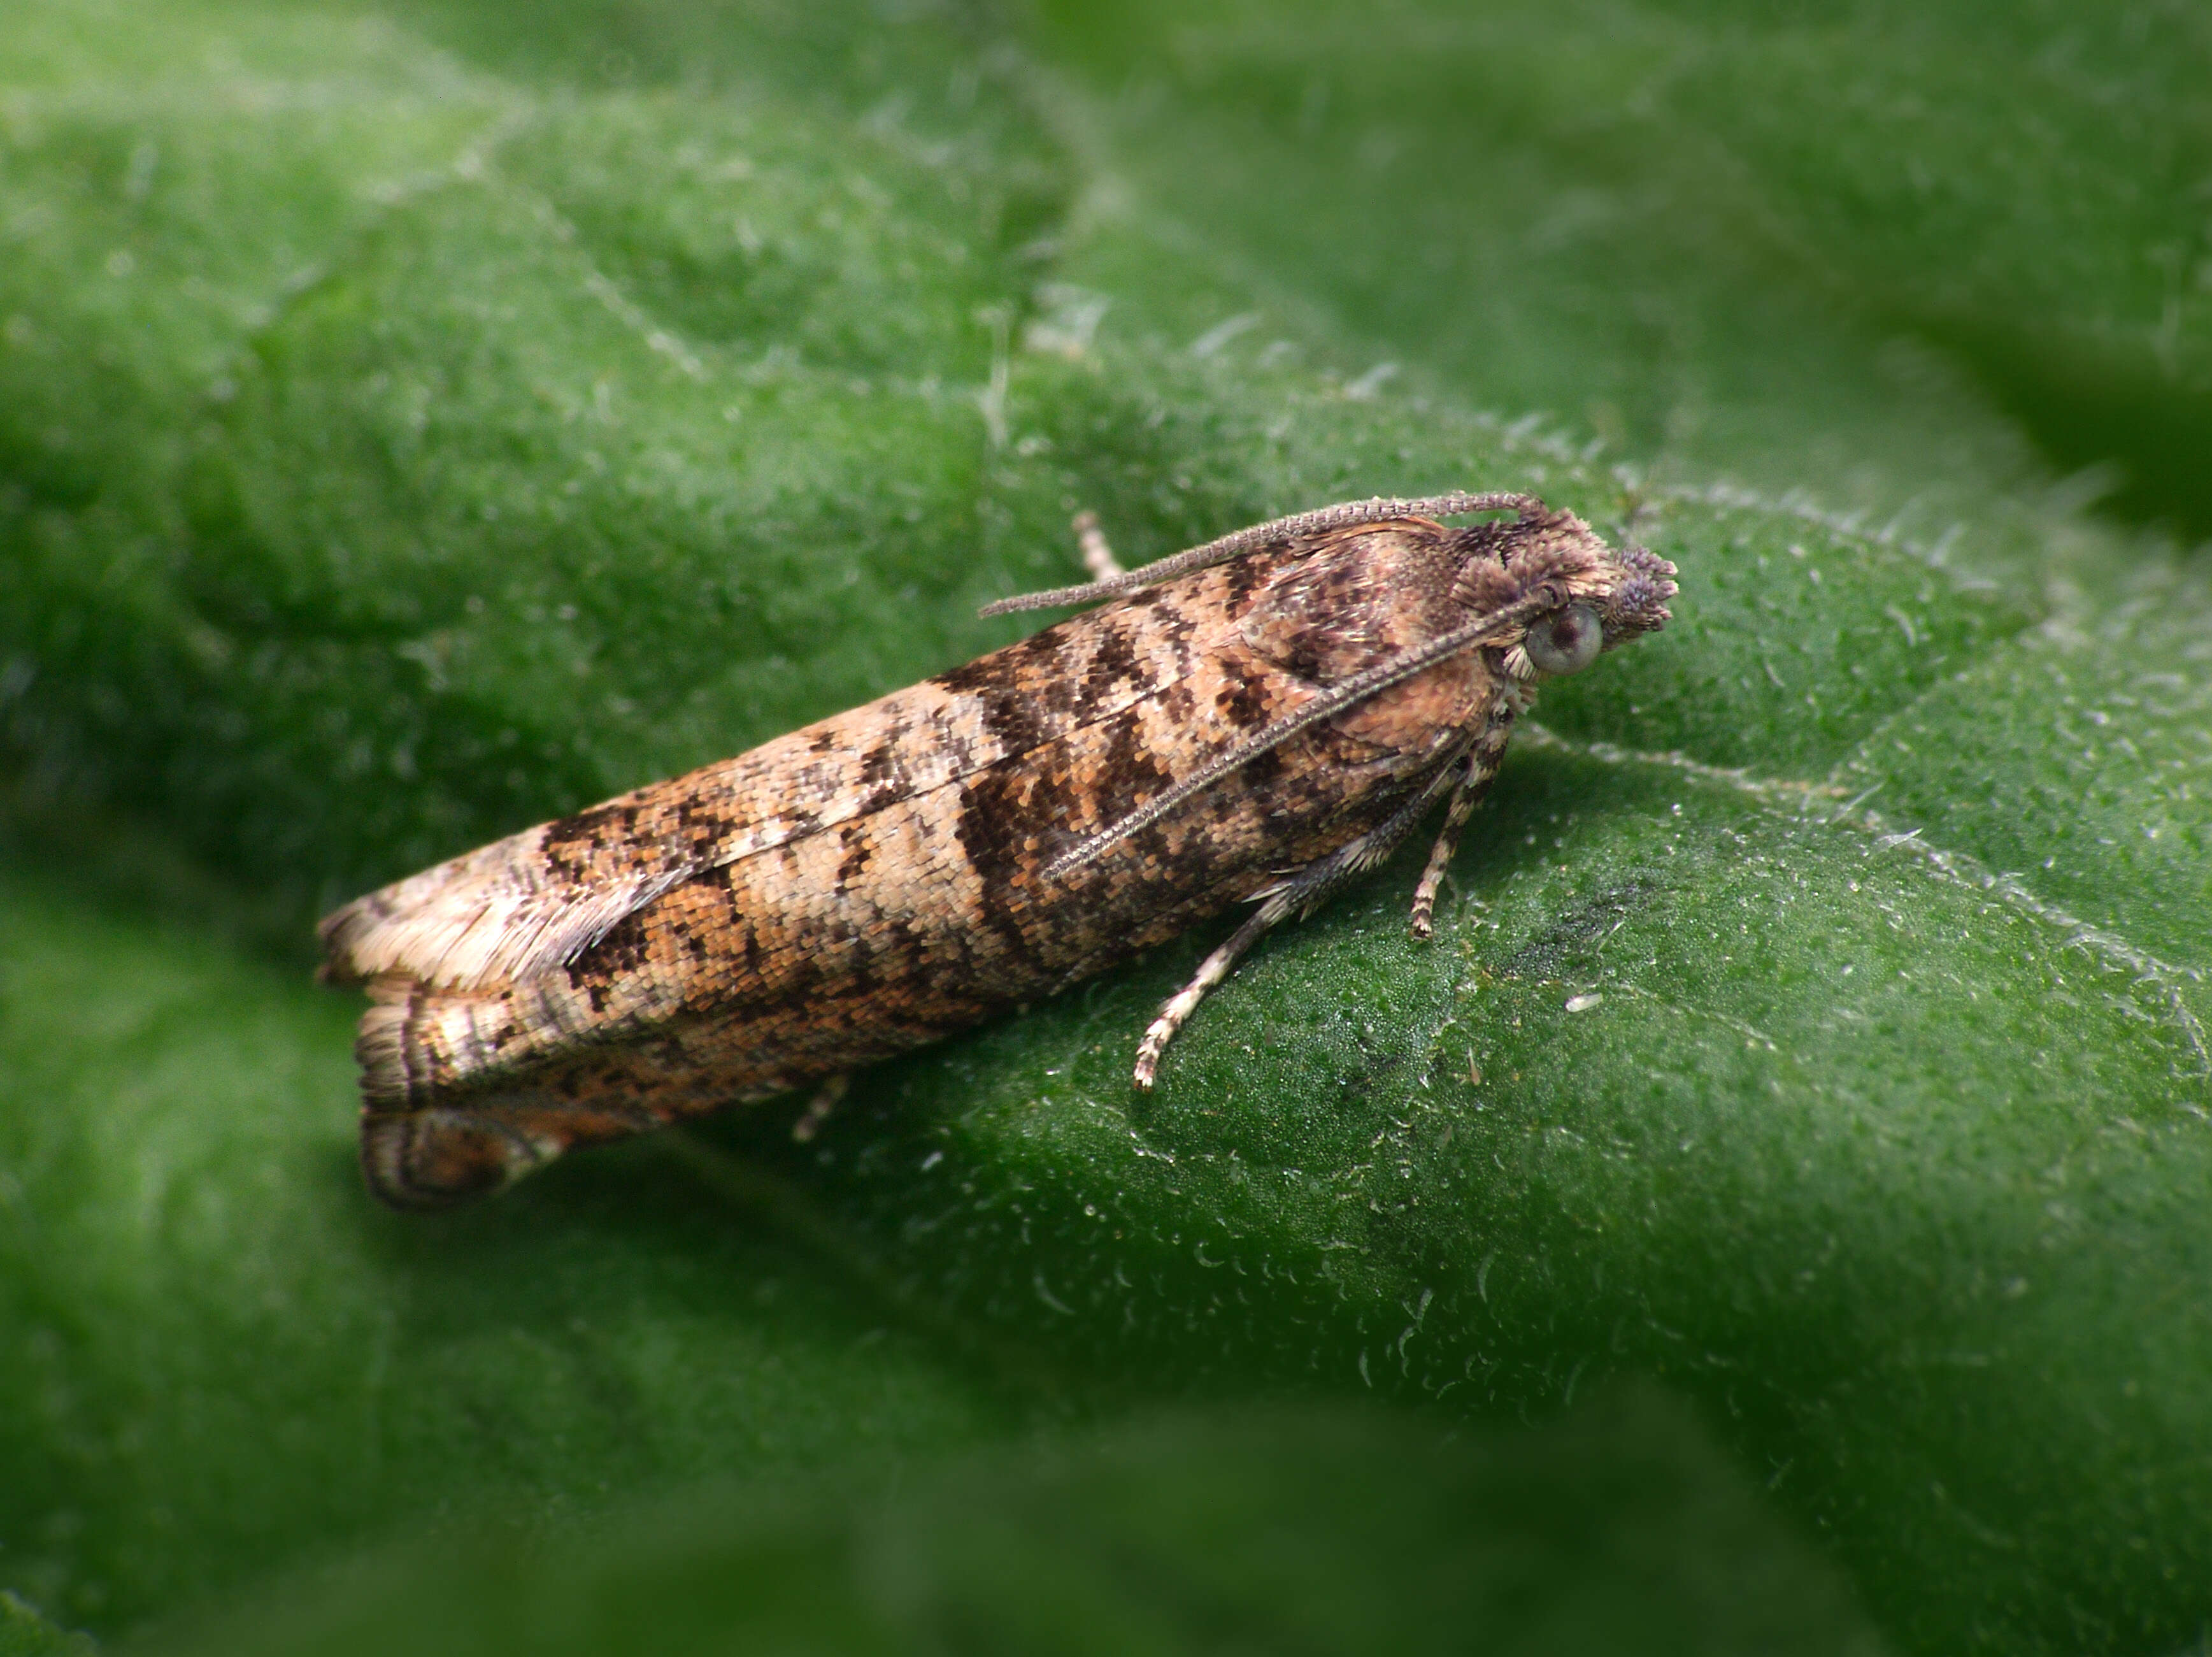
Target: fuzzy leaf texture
1767 1216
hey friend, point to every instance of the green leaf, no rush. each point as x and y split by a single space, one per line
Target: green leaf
24 1633
418 420
1305 1530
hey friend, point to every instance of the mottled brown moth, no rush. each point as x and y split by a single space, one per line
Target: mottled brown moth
1254 721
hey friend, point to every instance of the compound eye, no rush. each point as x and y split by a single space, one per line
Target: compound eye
1568 642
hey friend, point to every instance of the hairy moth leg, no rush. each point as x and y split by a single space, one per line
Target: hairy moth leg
1296 894
1475 781
1463 800
821 1107
1098 559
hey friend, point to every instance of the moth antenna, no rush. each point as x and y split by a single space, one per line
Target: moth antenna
1335 700
1227 546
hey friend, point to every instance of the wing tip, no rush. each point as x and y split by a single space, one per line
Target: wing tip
342 932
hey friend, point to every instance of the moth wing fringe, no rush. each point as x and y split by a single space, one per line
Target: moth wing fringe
482 921
417 1041
380 1046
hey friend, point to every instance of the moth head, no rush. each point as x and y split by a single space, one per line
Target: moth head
1588 597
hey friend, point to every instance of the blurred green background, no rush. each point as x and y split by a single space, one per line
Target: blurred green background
422 418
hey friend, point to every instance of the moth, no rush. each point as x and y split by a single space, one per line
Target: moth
1255 721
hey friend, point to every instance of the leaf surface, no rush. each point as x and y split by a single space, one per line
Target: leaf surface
416 423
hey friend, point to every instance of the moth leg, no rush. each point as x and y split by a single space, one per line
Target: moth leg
821 1107
1097 557
1474 784
1300 893
1180 1005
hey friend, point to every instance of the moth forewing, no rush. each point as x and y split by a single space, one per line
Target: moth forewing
1295 697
